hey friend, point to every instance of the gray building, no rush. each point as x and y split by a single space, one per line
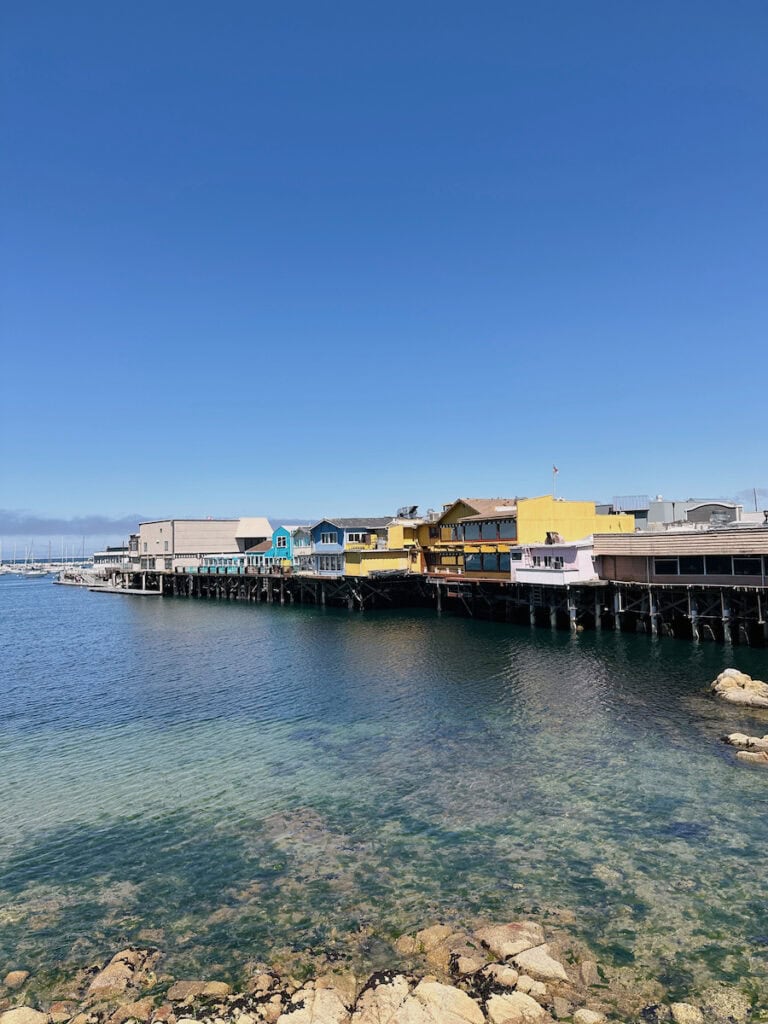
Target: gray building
661 513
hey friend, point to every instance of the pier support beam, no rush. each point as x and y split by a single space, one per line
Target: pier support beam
693 613
726 616
572 615
553 616
598 614
531 611
617 611
652 614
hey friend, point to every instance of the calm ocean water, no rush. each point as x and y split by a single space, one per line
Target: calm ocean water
227 781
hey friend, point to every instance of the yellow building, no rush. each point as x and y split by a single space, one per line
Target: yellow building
392 549
476 537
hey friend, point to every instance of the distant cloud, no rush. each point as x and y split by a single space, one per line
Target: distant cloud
20 523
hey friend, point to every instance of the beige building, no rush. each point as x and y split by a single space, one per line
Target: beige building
171 544
728 557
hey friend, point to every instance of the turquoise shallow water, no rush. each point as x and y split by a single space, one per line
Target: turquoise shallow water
229 781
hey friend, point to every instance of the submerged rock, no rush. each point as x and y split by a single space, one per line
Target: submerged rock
186 991
725 1006
686 1013
739 688
15 979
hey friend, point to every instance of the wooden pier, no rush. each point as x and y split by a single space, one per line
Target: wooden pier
725 614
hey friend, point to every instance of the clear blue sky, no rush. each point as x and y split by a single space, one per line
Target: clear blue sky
333 258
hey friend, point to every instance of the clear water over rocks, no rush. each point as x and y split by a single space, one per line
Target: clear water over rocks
228 782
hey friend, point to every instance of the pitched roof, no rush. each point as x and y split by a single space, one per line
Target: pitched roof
253 526
485 508
258 548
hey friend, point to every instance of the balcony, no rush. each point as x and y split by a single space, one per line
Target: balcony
544 576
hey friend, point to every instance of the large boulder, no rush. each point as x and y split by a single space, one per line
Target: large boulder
507 940
430 1002
311 1005
739 688
23 1015
538 963
740 739
515 1008
759 757
127 970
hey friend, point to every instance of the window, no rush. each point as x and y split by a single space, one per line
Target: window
473 563
547 561
434 533
504 561
355 538
719 565
489 531
145 545
491 563
508 529
472 531
516 556
665 566
165 545
168 562
747 567
281 542
328 538
691 565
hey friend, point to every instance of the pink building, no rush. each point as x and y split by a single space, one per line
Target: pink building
555 564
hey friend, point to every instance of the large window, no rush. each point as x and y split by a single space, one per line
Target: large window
473 563
489 531
665 566
691 565
508 529
329 538
281 542
747 567
355 538
472 531
719 565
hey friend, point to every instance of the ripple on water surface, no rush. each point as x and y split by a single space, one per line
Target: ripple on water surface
226 780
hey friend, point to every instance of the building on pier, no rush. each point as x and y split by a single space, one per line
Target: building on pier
662 513
481 537
277 554
555 565
331 539
171 544
716 557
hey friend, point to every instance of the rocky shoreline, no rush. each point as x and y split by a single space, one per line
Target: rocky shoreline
738 688
508 973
